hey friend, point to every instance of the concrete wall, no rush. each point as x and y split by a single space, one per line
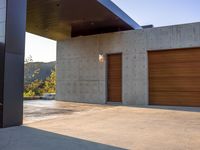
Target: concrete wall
80 77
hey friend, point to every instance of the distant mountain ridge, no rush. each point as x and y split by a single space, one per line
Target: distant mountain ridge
37 71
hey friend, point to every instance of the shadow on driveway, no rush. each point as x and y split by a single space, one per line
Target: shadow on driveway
25 138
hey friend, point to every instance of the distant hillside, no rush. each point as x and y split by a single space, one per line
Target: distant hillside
37 70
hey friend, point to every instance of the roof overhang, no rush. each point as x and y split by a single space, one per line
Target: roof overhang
60 19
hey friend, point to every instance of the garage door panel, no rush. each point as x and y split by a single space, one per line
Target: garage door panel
174 56
175 70
174 77
175 84
175 98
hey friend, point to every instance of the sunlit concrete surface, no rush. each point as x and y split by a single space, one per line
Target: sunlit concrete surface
37 110
108 127
81 78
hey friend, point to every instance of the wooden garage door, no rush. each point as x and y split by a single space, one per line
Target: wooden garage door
174 77
114 78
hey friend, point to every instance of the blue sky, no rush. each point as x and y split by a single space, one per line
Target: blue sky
161 12
145 12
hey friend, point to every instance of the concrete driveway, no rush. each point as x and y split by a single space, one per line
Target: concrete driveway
109 127
38 110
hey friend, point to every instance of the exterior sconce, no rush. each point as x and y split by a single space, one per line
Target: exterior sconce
101 58
100 52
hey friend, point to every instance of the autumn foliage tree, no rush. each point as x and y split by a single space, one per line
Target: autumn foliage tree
50 83
39 87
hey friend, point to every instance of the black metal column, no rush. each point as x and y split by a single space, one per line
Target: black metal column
12 47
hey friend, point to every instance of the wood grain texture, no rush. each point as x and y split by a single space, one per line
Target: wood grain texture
174 77
114 78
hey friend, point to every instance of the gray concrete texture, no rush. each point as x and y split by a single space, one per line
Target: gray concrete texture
107 128
80 76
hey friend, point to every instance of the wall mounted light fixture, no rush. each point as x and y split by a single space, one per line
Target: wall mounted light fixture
101 57
100 52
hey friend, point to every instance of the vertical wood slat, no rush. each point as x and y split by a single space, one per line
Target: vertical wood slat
114 78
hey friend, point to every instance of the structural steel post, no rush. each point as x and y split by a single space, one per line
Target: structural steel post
12 45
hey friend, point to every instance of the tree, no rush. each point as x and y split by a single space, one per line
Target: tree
29 59
50 83
38 87
34 89
28 67
34 86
